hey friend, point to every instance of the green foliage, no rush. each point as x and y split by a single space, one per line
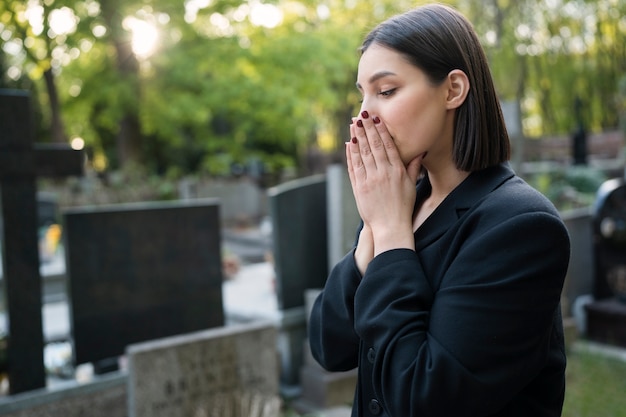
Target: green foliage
548 54
222 89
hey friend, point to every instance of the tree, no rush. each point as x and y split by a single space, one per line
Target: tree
546 54
32 32
234 81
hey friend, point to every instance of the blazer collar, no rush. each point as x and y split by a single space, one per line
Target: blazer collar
476 186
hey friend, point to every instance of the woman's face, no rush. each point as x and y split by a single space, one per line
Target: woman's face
413 109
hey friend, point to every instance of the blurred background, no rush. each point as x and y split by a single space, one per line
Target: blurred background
173 88
169 96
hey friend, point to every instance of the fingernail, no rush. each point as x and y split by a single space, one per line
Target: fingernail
354 140
359 123
376 120
365 114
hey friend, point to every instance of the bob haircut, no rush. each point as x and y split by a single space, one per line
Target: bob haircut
437 39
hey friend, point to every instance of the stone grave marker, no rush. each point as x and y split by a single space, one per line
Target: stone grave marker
342 213
300 249
222 372
320 388
298 212
21 162
606 315
105 396
139 272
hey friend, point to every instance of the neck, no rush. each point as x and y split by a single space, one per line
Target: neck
445 180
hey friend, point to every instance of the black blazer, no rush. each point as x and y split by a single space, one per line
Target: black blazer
467 325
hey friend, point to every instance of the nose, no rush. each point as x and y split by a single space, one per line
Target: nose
368 105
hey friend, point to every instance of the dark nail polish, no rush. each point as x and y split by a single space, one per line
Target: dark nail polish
359 123
354 140
376 120
365 114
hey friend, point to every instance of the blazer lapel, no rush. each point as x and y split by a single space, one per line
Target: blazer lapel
476 186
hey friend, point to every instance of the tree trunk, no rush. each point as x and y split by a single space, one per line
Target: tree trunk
129 137
57 128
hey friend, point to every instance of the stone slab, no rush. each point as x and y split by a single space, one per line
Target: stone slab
298 213
104 396
141 271
226 371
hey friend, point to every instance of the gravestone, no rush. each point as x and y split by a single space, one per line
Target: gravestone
300 249
223 372
606 316
609 227
103 396
322 389
298 213
342 213
21 162
141 271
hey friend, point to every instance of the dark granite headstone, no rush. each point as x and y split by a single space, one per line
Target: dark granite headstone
298 212
141 271
21 161
609 229
606 316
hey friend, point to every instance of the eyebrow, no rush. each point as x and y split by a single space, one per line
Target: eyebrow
377 76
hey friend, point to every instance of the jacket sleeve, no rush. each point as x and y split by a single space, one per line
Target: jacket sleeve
470 345
334 343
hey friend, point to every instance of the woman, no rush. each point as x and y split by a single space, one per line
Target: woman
449 302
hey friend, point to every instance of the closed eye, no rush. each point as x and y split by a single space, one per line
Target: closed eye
387 93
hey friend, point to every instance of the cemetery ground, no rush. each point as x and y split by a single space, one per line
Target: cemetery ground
595 384
595 375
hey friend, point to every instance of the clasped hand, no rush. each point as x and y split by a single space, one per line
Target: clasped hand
383 187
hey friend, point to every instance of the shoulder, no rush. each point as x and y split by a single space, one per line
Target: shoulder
515 196
514 208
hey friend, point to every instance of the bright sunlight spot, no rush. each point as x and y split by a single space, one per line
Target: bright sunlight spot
77 143
62 21
192 7
145 36
323 12
266 15
34 15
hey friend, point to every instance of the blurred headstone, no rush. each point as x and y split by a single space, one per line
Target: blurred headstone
298 212
606 315
227 371
141 271
342 213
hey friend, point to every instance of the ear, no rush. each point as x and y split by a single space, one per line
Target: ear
458 88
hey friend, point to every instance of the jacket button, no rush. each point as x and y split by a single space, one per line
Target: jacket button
374 407
371 355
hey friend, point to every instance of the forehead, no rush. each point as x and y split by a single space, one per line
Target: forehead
379 60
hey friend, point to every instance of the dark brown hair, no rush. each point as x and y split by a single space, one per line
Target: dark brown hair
438 39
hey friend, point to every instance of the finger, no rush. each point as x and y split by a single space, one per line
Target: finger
349 162
375 141
354 154
365 149
413 168
391 150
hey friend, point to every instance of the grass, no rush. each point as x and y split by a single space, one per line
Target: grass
596 385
